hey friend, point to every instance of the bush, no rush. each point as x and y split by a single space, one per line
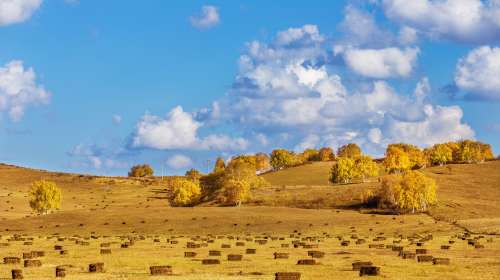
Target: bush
349 151
184 192
141 171
45 196
411 191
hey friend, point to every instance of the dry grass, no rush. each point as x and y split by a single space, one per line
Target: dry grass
120 206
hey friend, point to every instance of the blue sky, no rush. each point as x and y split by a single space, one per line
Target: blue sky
97 86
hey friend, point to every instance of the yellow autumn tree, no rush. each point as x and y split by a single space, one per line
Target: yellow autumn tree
415 154
343 171
408 192
440 154
396 160
350 150
236 191
326 154
44 196
281 158
184 192
220 165
365 167
262 162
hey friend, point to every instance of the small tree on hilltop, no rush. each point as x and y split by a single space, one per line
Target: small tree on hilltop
349 151
365 167
143 170
193 175
184 192
236 191
343 171
326 154
281 158
262 162
396 160
411 191
44 196
220 165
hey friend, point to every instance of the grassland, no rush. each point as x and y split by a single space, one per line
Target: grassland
114 210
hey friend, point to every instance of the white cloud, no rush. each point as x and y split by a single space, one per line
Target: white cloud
18 90
179 161
478 73
16 11
382 63
117 119
468 21
209 17
179 130
95 157
407 35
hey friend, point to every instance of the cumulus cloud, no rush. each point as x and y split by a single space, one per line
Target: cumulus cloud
95 157
207 18
382 63
179 130
478 73
467 21
179 161
18 90
287 87
16 11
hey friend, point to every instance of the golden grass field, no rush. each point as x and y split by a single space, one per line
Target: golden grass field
299 204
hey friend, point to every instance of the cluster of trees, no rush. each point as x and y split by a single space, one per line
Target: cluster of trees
282 158
352 164
141 170
44 196
229 184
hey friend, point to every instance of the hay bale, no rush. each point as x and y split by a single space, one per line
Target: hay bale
225 246
234 257
28 255
32 263
306 262
160 270
444 261
60 272
369 270
105 251
210 261
250 251
407 255
58 247
17 274
214 253
376 246
345 243
445 247
11 260
479 246
37 254
287 276
189 254
261 241
356 266
397 248
316 254
96 267
424 258
239 244
421 251
280 255
63 252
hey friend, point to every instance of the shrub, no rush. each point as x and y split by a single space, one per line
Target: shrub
343 171
184 192
396 160
45 196
411 191
143 170
349 151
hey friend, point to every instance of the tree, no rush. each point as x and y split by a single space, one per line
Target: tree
326 154
248 159
236 191
415 155
343 171
396 160
365 167
220 165
310 155
193 175
411 191
44 196
473 151
440 154
281 158
141 171
262 162
349 151
184 192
